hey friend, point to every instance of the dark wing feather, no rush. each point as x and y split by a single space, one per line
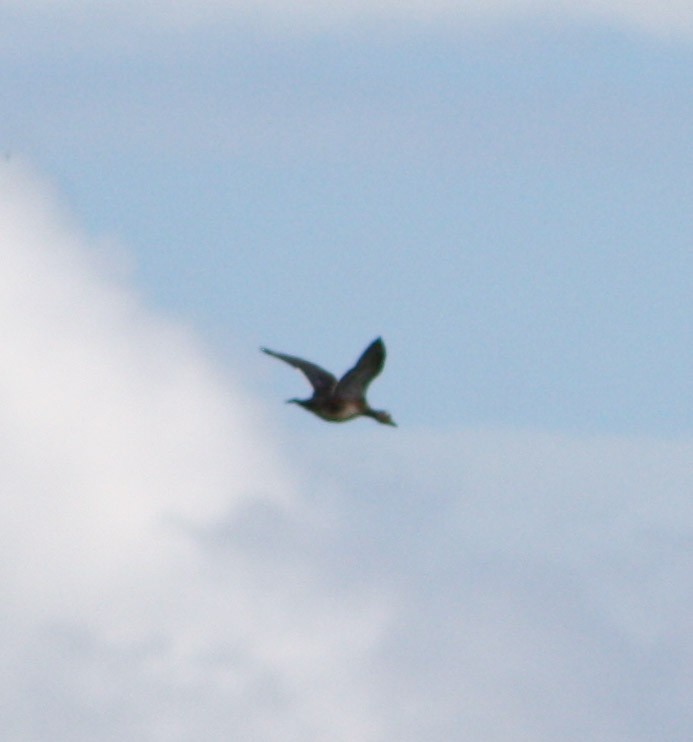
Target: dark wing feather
322 381
354 383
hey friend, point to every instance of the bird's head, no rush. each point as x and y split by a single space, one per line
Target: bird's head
302 402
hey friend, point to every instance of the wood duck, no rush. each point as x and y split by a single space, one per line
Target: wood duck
339 401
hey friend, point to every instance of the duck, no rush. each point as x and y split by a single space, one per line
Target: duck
341 400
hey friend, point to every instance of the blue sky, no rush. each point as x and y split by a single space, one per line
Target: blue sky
508 207
504 195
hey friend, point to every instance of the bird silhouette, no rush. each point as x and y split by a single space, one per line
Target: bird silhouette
339 401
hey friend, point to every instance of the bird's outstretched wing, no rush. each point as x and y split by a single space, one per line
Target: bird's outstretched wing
323 382
354 383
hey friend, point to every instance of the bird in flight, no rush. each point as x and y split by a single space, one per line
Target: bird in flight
339 401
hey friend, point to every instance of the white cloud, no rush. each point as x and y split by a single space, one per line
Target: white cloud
671 17
115 413
165 576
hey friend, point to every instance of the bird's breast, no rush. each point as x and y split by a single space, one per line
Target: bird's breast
341 411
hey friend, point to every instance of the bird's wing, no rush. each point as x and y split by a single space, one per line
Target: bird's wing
322 381
354 383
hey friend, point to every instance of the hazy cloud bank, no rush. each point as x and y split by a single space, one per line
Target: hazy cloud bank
542 580
673 17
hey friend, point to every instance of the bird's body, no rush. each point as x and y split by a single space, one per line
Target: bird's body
339 401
